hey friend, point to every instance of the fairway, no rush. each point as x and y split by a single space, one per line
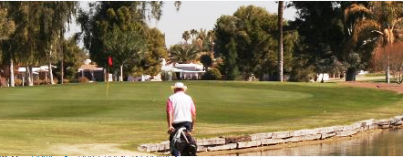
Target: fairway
37 120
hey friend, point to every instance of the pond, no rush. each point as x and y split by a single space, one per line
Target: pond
378 143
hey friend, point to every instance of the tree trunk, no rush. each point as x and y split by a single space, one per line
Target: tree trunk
61 50
280 40
50 66
51 74
350 74
121 73
387 73
30 80
23 78
12 72
387 70
323 78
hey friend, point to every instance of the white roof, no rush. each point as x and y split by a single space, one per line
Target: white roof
170 67
35 70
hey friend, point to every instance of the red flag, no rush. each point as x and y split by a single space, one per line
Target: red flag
110 61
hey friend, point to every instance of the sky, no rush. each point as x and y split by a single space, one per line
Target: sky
196 15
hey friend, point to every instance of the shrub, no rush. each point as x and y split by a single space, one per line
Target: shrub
66 81
45 82
17 82
212 74
55 80
302 74
37 82
302 71
83 80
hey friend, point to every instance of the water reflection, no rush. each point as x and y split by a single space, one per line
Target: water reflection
383 143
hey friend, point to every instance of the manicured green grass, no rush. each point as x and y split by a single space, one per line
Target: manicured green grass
373 74
34 120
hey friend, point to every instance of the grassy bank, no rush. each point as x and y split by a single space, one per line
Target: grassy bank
36 119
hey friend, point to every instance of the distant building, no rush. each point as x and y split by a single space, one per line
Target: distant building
39 73
182 71
91 71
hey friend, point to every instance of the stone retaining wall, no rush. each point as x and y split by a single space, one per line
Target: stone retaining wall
273 138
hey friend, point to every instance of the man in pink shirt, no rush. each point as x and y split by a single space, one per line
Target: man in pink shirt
181 111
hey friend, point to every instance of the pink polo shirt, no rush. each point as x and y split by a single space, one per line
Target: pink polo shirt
182 107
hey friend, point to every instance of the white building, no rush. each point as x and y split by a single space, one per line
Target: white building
186 71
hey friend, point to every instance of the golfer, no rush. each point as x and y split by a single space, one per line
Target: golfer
181 111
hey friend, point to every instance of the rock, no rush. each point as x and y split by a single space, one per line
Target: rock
152 148
346 133
260 136
223 147
338 128
327 130
249 144
163 147
385 126
300 132
296 139
305 132
210 141
396 121
201 149
272 141
281 135
327 135
399 117
356 126
373 126
366 123
382 122
312 137
237 139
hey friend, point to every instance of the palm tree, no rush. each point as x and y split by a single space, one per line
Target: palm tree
280 40
186 36
193 32
377 22
183 53
211 38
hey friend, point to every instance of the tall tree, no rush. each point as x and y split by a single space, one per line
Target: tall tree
73 57
7 27
254 33
320 31
377 28
54 18
38 24
280 40
206 60
225 31
103 16
150 63
25 41
125 45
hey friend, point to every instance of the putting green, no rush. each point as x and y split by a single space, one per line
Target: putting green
35 118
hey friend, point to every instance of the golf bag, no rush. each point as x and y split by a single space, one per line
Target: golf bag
183 142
